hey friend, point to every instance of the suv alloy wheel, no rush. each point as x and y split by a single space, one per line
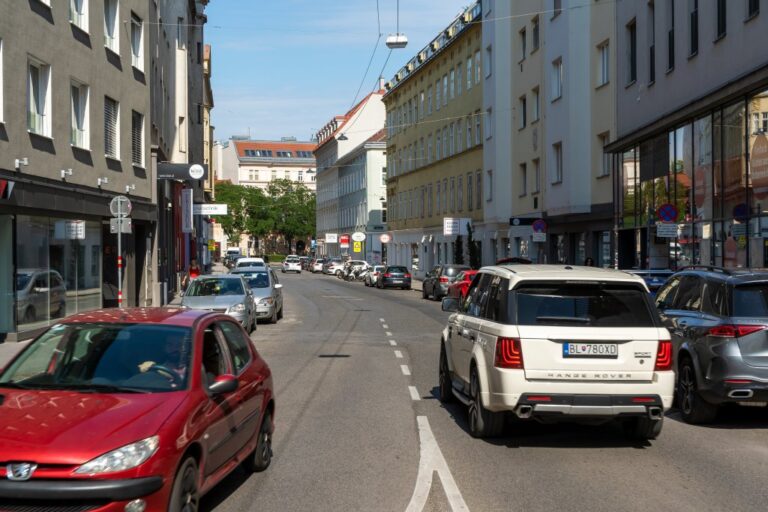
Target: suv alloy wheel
482 422
693 407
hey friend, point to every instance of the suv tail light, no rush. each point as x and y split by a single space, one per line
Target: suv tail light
664 356
734 331
408 276
443 279
509 353
387 275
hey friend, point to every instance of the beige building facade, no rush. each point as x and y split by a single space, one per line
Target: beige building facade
435 134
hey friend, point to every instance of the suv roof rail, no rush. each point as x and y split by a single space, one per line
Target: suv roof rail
710 268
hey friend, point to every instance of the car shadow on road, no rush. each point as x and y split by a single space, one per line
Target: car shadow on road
532 434
732 417
224 490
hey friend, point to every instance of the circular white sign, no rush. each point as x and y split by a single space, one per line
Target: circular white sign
358 236
196 171
120 206
385 238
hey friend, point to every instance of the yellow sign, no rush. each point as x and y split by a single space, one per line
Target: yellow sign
211 245
357 246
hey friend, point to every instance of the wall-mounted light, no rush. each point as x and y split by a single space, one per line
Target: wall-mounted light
19 162
65 173
101 181
130 188
342 137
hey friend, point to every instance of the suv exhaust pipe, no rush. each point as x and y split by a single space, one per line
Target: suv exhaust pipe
655 413
741 393
524 412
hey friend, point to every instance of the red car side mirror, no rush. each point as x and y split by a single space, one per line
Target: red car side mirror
223 384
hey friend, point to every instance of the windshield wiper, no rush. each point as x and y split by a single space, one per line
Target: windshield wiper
100 388
575 319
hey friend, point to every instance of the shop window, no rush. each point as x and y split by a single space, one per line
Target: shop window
734 163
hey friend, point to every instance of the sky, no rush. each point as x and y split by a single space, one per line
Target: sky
284 68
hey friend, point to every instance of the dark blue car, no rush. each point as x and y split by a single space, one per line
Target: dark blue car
654 278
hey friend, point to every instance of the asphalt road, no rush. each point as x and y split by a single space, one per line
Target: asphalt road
350 435
360 429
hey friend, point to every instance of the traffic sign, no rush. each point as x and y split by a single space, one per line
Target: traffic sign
120 206
741 212
344 241
539 226
120 225
357 246
358 236
385 238
667 213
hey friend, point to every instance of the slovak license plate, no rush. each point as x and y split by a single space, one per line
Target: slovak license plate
597 350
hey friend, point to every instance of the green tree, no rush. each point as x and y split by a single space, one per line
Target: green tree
293 208
234 223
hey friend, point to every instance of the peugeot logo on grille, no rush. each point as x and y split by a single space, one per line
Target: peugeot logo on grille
20 471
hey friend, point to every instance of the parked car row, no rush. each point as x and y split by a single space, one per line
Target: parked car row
566 343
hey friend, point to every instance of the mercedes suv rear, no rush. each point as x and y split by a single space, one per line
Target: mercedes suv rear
553 343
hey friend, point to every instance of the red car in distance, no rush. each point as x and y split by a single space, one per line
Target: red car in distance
132 410
460 286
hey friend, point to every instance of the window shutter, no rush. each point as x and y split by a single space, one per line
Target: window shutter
110 127
137 136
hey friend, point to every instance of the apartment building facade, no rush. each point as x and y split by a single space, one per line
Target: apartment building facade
254 163
341 136
435 135
74 122
693 98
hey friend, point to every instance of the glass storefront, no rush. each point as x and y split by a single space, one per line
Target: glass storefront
714 170
58 269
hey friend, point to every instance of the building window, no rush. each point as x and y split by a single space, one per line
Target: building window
603 70
287 175
183 134
421 105
489 179
137 38
460 193
469 132
445 195
605 161
523 179
451 139
452 84
632 49
470 197
458 80
137 139
488 61
429 101
111 25
693 20
557 8
478 134
438 146
753 8
437 200
445 142
181 34
477 66
111 128
469 72
479 189
557 79
459 134
671 35
536 176
557 163
429 148
453 194
651 42
521 108
39 98
78 14
79 116
720 20
274 174
536 105
522 45
535 34
445 89
437 95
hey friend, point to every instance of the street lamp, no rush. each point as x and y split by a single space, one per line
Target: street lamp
397 41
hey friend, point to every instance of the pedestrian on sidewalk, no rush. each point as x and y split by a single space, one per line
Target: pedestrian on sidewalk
193 271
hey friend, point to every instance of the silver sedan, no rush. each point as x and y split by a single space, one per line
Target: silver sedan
267 292
228 294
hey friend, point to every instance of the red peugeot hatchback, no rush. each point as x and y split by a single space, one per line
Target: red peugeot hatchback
132 410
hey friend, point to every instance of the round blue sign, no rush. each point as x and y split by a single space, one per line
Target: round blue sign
667 213
741 212
539 226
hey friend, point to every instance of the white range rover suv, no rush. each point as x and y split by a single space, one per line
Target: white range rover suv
557 343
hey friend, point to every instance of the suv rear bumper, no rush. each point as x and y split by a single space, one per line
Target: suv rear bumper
725 392
590 405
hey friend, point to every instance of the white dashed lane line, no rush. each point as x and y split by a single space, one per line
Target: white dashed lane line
393 343
388 333
414 393
385 326
382 320
398 354
405 369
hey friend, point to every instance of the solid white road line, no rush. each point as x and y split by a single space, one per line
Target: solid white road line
388 333
398 354
393 343
431 460
385 326
405 369
414 393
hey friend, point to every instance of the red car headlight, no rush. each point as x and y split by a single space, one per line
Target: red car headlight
121 459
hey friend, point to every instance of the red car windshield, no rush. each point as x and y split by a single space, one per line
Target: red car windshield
119 358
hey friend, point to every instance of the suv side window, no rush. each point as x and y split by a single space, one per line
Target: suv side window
496 308
689 296
238 348
478 295
714 298
667 294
